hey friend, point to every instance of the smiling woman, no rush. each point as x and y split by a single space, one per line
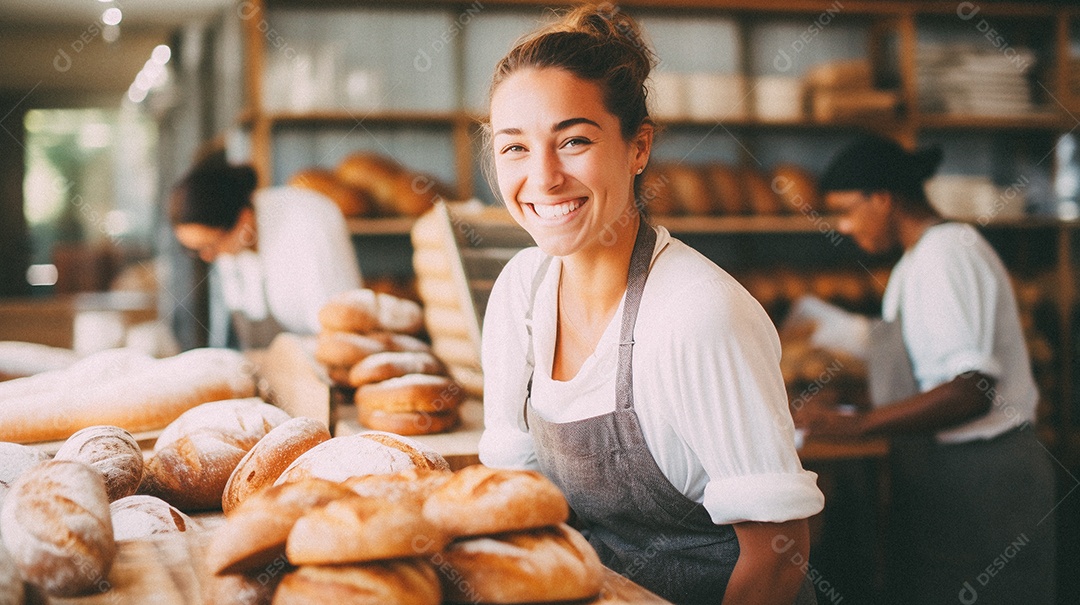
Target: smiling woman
650 391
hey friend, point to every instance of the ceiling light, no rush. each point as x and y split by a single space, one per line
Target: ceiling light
111 16
161 54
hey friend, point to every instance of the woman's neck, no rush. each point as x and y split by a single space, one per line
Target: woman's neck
911 228
594 279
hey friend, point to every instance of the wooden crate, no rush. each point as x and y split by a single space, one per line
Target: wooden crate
458 251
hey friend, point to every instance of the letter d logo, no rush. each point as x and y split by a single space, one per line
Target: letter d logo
968 594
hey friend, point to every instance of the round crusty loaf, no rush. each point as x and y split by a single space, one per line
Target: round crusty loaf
143 399
726 187
372 174
482 500
253 537
392 364
412 485
358 529
797 189
11 584
368 453
547 564
351 201
362 310
15 459
408 423
691 190
195 456
140 516
411 393
264 463
113 452
398 582
56 525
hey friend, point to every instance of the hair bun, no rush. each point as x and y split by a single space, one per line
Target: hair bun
925 161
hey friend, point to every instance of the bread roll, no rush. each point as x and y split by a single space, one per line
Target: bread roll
393 364
481 500
140 400
411 393
372 174
351 201
399 582
797 189
657 192
760 196
16 459
254 535
691 191
408 423
362 310
547 564
12 590
727 190
113 452
401 342
359 529
139 516
196 455
368 453
413 194
56 525
345 349
264 463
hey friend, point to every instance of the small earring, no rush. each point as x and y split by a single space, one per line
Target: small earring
640 170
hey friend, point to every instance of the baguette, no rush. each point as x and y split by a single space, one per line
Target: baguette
88 370
21 359
398 582
144 399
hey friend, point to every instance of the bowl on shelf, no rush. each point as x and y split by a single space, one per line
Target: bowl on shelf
778 98
715 96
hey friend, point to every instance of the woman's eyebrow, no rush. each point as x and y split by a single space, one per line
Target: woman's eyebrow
563 125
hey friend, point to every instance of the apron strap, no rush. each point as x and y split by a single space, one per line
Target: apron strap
640 259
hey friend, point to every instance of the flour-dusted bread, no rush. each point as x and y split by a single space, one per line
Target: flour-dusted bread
56 525
11 584
140 516
367 453
547 564
362 310
393 364
411 393
90 369
195 456
22 359
481 500
253 537
408 423
113 452
361 528
412 485
145 398
255 588
15 459
265 462
397 582
345 349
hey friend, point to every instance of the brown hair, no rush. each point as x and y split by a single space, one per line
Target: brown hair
598 43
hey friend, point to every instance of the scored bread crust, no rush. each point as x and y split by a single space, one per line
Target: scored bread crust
140 516
397 582
56 525
254 535
481 500
368 453
15 459
358 528
245 420
392 364
266 460
411 485
110 450
408 423
547 564
411 393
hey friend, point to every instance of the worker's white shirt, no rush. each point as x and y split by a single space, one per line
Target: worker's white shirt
304 257
959 314
707 387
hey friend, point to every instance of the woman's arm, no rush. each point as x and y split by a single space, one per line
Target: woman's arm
964 398
772 562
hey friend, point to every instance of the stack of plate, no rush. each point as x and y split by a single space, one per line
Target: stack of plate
959 79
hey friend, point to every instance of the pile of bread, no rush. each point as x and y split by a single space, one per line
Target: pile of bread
367 185
420 535
367 343
671 189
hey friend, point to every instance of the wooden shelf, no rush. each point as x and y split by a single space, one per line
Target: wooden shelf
360 116
395 225
1036 121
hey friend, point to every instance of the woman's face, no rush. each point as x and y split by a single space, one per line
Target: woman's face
563 168
209 242
865 218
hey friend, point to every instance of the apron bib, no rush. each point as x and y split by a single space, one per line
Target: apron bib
969 522
638 522
254 334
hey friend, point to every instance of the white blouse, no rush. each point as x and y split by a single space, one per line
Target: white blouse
707 386
959 314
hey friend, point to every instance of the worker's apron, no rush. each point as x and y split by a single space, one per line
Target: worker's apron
969 522
254 334
638 522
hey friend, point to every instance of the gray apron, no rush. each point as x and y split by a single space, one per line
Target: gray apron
638 522
969 522
254 334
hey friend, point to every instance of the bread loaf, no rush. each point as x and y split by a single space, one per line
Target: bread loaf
91 369
56 525
368 453
760 196
11 584
372 174
264 463
139 516
113 452
481 500
411 485
408 423
399 582
16 459
392 364
196 455
351 201
411 393
401 342
21 359
797 189
254 588
362 310
359 529
254 535
691 190
143 399
412 194
547 564
726 189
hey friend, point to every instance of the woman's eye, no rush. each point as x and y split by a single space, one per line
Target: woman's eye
515 148
577 142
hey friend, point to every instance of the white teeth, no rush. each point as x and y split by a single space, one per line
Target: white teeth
552 211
